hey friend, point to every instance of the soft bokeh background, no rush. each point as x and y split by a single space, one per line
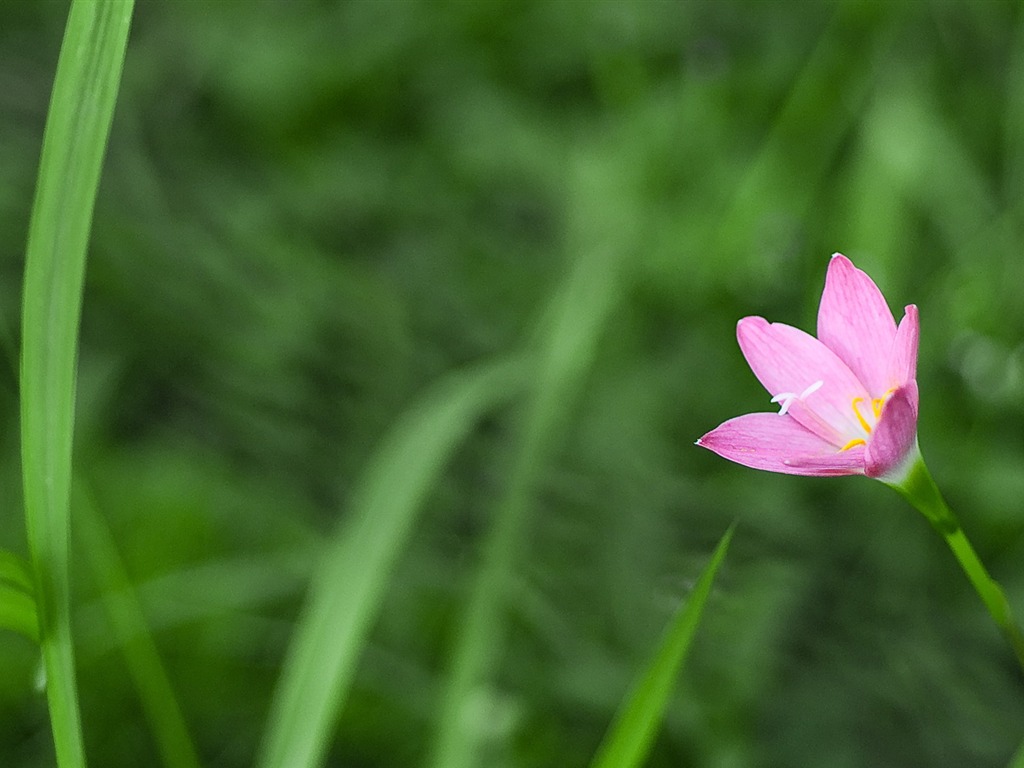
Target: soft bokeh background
311 211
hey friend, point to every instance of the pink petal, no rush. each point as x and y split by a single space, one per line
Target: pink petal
785 359
910 390
838 462
855 322
903 358
779 444
894 435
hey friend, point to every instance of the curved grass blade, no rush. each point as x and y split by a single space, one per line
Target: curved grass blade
128 624
18 612
16 571
17 597
242 584
347 590
74 142
1017 761
576 317
630 736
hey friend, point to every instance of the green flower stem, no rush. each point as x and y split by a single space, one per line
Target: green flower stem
920 490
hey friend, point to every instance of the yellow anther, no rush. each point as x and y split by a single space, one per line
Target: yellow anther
879 402
860 418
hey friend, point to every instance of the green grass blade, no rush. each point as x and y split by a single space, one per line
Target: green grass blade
348 588
16 571
159 702
1017 761
18 612
193 594
630 736
17 596
576 317
74 142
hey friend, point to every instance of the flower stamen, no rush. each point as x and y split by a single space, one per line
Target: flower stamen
856 412
811 389
877 403
788 398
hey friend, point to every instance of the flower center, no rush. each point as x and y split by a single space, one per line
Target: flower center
868 412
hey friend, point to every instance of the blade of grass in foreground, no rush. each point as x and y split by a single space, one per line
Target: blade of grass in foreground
629 738
128 625
74 142
347 591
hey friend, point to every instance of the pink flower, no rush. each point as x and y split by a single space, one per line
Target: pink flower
848 399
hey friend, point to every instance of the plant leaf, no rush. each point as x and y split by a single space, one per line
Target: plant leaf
630 736
347 590
1017 761
568 343
74 141
128 626
18 612
15 571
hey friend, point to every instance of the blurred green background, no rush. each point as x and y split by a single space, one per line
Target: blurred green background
311 211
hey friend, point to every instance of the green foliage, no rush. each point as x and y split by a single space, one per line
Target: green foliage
573 325
629 739
311 212
16 572
18 612
348 586
1018 759
17 596
77 126
131 634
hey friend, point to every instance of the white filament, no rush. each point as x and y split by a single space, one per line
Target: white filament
788 398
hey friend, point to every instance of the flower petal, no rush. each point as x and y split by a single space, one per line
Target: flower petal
779 444
894 435
785 359
838 462
855 322
903 358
